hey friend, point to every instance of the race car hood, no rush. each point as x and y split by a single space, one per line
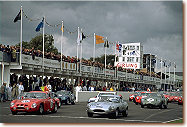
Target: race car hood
105 105
27 101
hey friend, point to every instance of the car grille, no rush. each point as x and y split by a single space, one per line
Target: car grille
98 110
21 105
20 108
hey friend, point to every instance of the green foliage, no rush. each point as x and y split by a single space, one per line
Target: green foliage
37 43
109 59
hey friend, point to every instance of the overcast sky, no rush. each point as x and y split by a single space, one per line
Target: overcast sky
157 25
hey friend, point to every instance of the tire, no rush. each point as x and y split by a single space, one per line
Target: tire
115 114
14 112
125 112
73 102
41 109
161 105
130 99
59 104
55 108
136 103
90 114
142 106
165 106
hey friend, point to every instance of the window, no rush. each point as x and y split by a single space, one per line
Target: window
137 59
128 60
124 52
123 58
138 47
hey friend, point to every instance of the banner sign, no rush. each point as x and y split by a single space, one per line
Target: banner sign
86 69
98 70
128 65
109 72
121 74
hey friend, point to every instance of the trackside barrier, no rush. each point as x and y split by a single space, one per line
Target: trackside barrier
83 96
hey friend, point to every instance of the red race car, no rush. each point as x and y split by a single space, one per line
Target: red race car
34 101
173 97
180 101
140 96
132 96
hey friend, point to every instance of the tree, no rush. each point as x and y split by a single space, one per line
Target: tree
109 59
37 43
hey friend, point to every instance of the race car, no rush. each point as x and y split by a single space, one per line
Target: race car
34 101
180 101
93 99
140 96
172 97
132 96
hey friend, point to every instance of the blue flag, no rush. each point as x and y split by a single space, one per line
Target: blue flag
40 26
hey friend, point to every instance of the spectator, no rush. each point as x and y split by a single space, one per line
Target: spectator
15 92
3 87
9 89
20 88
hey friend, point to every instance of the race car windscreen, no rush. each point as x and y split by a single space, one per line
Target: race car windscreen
34 95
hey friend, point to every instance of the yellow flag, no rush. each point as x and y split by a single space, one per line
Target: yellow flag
99 39
62 28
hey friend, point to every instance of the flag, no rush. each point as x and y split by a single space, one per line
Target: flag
18 17
40 25
62 28
118 47
164 63
79 38
154 60
99 39
175 66
132 53
169 64
83 36
106 44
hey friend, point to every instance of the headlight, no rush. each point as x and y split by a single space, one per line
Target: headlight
59 95
34 105
137 97
11 104
111 108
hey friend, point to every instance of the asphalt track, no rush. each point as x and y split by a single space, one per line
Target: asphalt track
74 114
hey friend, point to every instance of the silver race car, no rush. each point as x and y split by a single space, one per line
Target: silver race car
154 100
111 105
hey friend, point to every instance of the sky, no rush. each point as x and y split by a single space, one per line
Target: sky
158 25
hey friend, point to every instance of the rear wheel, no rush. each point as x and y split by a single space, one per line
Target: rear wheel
165 106
90 114
55 108
125 112
142 106
73 102
14 112
161 105
41 109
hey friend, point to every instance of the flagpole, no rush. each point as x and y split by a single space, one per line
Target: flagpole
150 66
81 51
105 57
77 51
43 40
165 71
161 71
174 72
21 36
115 53
156 64
169 71
61 42
94 52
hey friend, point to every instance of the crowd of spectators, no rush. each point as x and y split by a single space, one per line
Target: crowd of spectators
12 50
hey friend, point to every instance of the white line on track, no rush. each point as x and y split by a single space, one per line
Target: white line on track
172 120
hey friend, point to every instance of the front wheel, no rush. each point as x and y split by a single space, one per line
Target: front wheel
90 114
142 106
125 112
161 105
14 112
